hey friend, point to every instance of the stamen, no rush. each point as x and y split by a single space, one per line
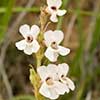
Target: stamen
48 78
53 8
49 81
63 77
54 45
29 39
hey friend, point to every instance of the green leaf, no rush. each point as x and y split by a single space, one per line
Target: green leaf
6 18
79 53
96 35
32 76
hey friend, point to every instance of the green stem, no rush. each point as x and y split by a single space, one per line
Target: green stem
37 85
37 9
21 9
38 61
40 54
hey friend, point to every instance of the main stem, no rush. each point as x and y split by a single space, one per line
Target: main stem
40 54
37 84
38 61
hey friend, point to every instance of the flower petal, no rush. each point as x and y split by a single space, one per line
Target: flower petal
52 68
52 71
51 55
56 3
28 49
50 11
21 45
54 18
35 47
63 51
48 38
35 30
48 92
44 90
24 30
58 36
43 73
53 94
70 84
61 88
61 12
63 69
53 36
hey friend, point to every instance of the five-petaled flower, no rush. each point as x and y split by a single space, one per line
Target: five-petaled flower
53 9
51 87
29 44
52 41
62 74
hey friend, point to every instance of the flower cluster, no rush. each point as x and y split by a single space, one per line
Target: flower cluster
52 40
54 80
54 77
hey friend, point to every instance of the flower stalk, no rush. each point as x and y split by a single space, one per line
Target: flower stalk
40 53
43 18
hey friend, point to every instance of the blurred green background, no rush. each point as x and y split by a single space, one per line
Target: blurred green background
81 26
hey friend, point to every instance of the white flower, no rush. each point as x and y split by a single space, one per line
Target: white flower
52 41
53 9
29 44
62 72
51 87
